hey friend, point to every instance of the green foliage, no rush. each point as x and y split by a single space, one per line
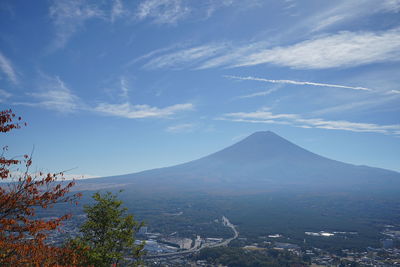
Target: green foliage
238 257
108 235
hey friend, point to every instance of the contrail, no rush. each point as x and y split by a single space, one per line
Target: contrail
298 82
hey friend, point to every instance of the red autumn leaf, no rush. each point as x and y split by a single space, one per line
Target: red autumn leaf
22 235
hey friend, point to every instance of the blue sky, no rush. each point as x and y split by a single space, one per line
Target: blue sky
113 87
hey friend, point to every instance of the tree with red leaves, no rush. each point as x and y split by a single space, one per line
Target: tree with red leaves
23 234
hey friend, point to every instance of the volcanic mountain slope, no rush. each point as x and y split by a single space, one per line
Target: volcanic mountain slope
261 162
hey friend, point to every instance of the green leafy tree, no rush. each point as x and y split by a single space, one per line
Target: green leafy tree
108 234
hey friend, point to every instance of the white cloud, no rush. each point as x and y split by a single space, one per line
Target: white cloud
198 57
373 101
68 16
181 128
349 126
327 22
213 6
124 87
290 4
345 49
347 101
162 11
127 110
298 83
4 95
117 10
262 93
183 57
230 55
54 95
262 114
266 116
152 54
337 13
391 5
8 69
173 11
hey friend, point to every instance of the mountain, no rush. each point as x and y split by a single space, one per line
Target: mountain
262 162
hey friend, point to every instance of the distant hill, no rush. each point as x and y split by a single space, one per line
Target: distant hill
262 162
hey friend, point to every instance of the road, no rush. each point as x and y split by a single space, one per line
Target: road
227 223
195 248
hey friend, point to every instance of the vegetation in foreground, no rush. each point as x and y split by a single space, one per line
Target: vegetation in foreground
22 234
107 236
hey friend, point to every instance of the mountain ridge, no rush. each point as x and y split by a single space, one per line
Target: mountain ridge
261 161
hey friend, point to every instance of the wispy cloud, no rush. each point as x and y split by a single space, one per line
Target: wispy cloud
213 6
68 16
231 55
8 69
350 126
324 23
173 11
198 57
4 95
54 95
342 49
181 128
117 10
124 87
183 57
127 110
339 102
339 12
392 5
297 120
262 114
249 78
153 53
345 49
367 104
162 11
262 93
